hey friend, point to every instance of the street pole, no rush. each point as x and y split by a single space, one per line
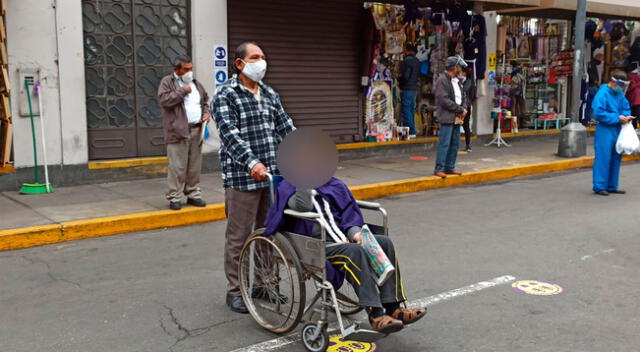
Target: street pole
573 137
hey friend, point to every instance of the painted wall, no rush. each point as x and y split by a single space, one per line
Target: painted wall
31 44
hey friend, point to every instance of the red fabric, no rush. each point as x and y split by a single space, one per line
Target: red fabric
633 93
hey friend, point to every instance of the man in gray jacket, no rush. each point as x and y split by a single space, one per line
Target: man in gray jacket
450 102
185 107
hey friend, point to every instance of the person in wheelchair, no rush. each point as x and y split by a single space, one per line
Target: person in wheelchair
338 208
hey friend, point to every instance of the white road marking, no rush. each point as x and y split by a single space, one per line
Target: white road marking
280 342
589 256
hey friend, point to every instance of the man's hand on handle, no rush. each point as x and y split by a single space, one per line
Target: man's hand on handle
259 172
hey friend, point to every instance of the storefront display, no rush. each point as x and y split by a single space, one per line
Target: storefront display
436 33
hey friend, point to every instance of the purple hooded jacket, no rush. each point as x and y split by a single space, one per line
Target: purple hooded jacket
345 212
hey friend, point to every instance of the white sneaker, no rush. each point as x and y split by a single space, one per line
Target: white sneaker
412 136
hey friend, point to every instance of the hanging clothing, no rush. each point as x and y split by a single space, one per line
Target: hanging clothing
480 37
607 108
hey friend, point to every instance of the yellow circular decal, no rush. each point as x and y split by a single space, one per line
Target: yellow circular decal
338 344
538 288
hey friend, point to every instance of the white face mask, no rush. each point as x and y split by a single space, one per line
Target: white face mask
255 70
187 77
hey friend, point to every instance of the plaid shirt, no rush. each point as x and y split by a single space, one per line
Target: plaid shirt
250 132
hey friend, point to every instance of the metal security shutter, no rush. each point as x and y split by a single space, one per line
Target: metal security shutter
313 51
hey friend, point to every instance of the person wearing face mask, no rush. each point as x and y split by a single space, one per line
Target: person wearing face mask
185 107
251 123
450 102
611 110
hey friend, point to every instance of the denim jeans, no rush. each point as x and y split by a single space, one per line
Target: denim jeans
408 98
448 148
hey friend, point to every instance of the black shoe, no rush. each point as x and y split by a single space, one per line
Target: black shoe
602 193
197 202
175 205
269 295
618 191
236 304
468 149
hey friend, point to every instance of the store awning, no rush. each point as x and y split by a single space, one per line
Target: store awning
566 9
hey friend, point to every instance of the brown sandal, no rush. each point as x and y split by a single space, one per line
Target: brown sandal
409 316
385 324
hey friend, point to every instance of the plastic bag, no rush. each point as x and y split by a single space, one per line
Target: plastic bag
380 263
210 139
628 142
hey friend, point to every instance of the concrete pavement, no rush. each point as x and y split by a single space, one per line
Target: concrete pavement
163 290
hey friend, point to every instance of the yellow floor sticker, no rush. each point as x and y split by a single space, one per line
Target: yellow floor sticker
538 288
337 344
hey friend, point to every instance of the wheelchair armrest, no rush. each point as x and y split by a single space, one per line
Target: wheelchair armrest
301 215
368 205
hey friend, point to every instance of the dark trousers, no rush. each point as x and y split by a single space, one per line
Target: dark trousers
635 111
246 211
408 98
467 128
351 259
448 147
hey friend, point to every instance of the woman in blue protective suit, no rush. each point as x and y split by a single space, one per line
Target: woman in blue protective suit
612 110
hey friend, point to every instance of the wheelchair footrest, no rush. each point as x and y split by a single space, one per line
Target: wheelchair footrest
354 333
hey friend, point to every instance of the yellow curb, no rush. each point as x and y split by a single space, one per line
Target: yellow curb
30 236
535 133
112 164
7 169
112 225
106 226
362 145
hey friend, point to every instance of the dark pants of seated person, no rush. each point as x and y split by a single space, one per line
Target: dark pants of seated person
351 259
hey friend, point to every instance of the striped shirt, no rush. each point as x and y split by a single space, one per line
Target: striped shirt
250 132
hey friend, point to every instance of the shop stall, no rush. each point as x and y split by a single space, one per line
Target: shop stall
436 32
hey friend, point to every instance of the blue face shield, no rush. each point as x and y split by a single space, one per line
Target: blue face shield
620 86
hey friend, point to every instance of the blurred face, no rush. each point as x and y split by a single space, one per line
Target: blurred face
599 57
184 68
307 158
254 54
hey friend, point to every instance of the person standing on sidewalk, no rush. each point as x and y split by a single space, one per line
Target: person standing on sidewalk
451 113
251 122
611 110
185 107
408 80
633 95
468 95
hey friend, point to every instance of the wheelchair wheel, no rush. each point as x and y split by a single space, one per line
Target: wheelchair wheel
348 300
271 282
320 343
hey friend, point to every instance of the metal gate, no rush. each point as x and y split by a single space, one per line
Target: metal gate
128 47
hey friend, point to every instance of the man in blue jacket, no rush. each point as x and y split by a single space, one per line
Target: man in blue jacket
409 87
611 109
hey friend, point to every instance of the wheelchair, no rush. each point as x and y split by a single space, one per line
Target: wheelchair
277 271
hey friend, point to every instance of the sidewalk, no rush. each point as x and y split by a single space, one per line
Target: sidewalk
91 205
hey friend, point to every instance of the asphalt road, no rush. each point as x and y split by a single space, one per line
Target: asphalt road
164 290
